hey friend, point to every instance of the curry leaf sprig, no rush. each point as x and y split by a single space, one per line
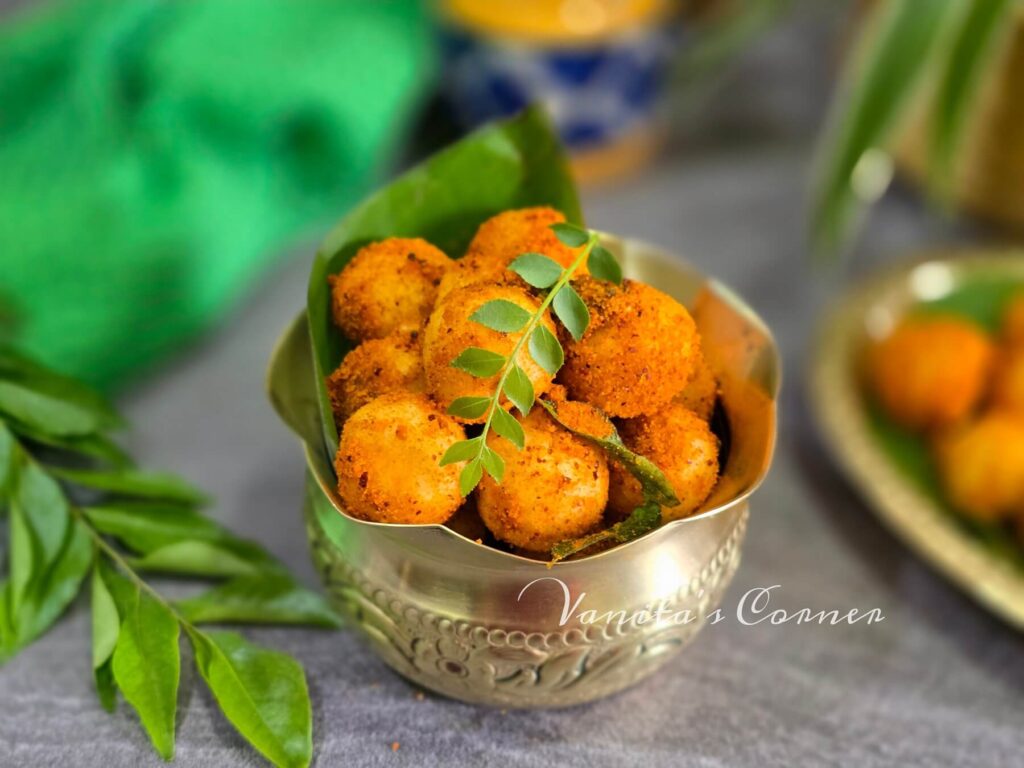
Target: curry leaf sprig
78 509
545 274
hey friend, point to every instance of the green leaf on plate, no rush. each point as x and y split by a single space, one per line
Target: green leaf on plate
602 265
643 519
464 450
470 476
259 598
106 625
519 389
570 309
653 482
546 350
537 269
508 164
493 463
479 362
505 424
570 234
261 692
133 482
146 661
469 407
501 315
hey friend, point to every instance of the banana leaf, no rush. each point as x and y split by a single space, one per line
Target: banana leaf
509 164
983 301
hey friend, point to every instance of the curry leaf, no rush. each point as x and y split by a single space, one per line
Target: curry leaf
519 389
106 625
546 350
469 407
470 476
570 234
261 692
132 482
146 660
571 310
537 269
501 315
505 424
464 450
602 265
493 463
643 519
653 482
231 557
479 362
260 598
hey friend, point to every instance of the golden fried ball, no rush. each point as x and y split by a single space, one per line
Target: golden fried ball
1008 383
555 488
930 371
473 269
502 238
387 461
701 391
374 368
681 445
388 286
636 355
982 466
450 331
1013 322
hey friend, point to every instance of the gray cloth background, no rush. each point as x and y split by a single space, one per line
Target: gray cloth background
939 682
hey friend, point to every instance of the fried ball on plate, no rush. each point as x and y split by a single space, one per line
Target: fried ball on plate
1008 383
682 446
555 488
637 354
701 391
502 238
981 465
450 331
1013 322
387 461
374 368
930 371
388 286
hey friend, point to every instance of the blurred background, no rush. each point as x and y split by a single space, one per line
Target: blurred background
158 158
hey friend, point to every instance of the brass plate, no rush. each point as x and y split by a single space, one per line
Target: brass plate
839 407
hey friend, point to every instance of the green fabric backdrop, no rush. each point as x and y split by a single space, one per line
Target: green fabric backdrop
155 157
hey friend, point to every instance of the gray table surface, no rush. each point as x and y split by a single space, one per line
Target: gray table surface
939 682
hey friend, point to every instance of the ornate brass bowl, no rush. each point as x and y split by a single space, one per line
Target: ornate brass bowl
486 626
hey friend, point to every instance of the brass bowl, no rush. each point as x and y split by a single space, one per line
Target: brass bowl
452 615
841 411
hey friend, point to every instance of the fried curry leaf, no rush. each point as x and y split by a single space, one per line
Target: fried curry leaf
653 483
643 519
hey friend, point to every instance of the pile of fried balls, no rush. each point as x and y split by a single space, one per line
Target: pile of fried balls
406 306
944 377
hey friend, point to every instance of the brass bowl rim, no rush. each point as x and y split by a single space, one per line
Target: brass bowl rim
723 292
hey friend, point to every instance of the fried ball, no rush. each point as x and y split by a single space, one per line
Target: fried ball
374 368
930 372
581 417
1008 383
388 461
637 354
701 391
681 445
473 269
450 331
982 466
1013 322
388 286
555 488
502 238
